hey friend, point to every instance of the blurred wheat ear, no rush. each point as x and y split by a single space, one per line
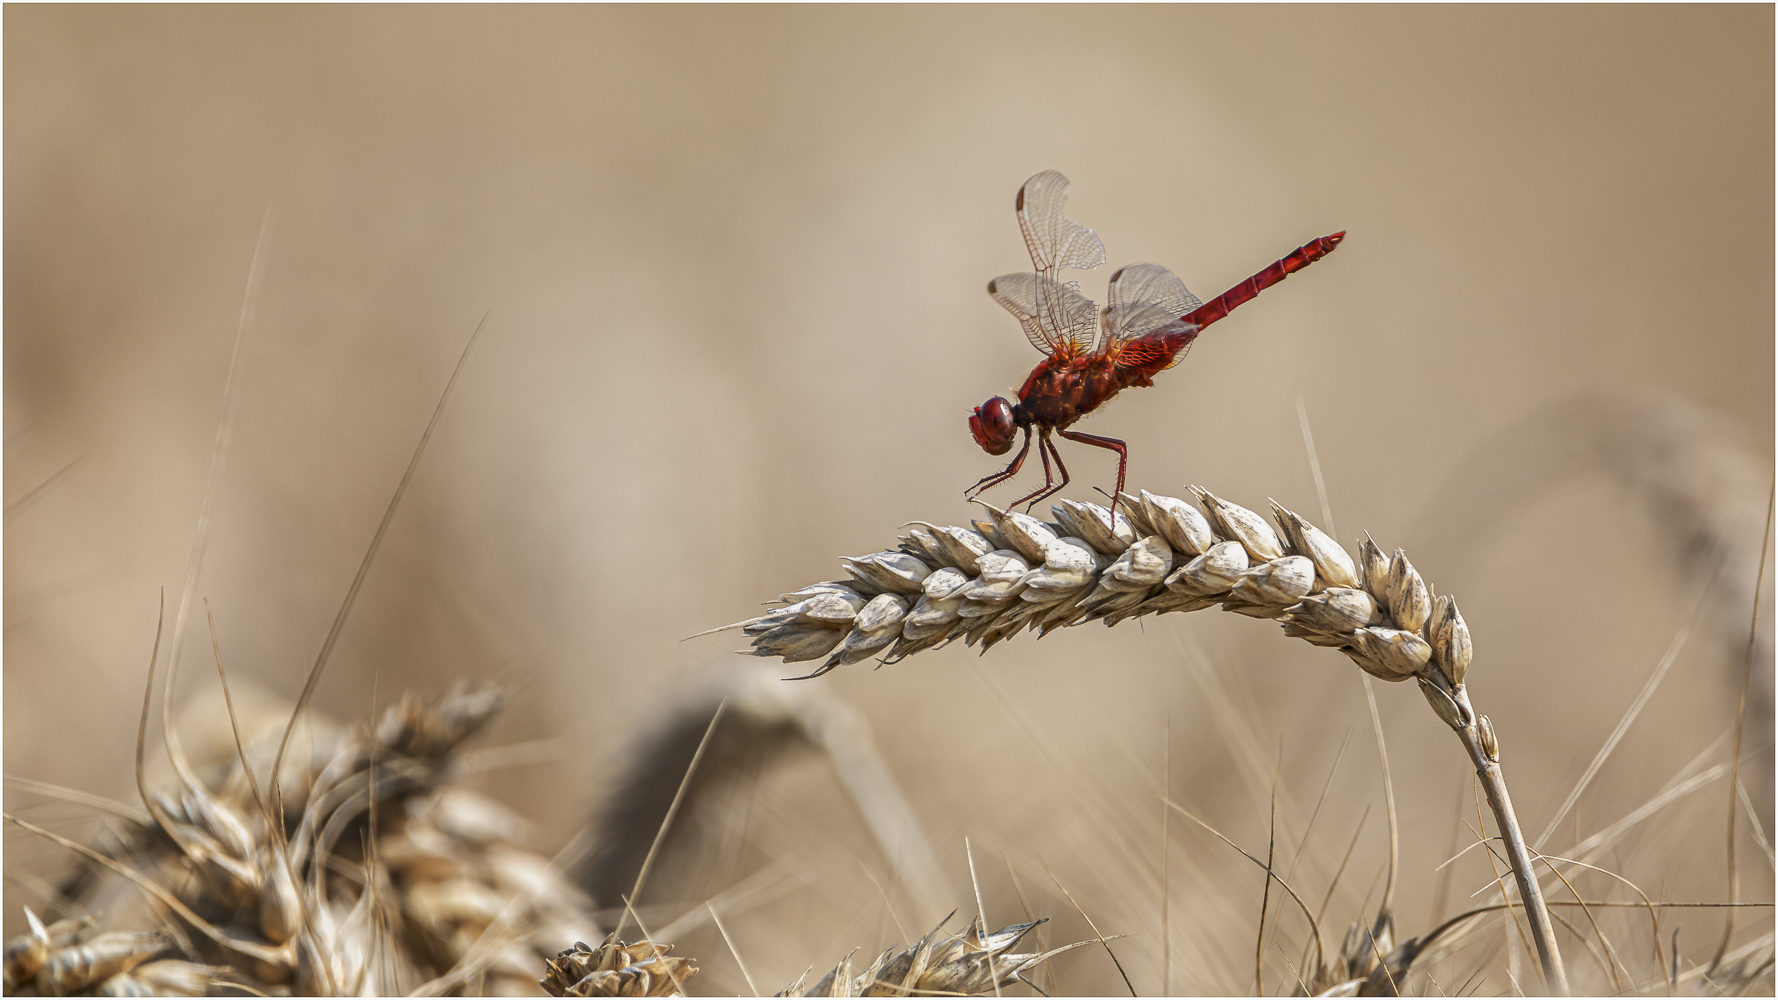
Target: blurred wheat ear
432 887
967 963
998 577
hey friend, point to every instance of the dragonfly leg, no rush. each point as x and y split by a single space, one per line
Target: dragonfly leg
1123 458
1047 449
1003 475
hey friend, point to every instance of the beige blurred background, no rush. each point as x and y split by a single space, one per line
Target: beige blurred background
735 259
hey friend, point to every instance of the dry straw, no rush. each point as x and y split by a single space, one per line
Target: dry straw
1013 572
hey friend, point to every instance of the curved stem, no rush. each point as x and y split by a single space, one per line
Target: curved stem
1537 912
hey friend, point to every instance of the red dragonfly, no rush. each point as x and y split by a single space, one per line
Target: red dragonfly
1146 328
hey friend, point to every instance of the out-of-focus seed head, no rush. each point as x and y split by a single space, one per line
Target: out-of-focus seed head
1490 742
968 963
1214 572
1410 603
617 969
1183 525
1373 569
1331 560
1281 581
1450 642
25 953
433 730
168 978
68 970
220 820
280 901
889 571
1091 523
1441 703
232 879
1242 525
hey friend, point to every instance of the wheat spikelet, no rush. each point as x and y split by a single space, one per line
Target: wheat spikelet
989 581
1013 572
967 963
432 892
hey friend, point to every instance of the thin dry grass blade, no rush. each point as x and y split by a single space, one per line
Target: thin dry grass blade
1388 905
1096 932
731 949
1630 715
667 823
1728 930
376 541
225 425
79 797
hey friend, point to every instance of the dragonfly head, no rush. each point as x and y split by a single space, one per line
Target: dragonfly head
993 423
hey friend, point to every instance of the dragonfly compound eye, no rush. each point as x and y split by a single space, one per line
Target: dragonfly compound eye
993 426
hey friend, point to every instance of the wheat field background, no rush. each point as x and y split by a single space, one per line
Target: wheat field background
735 260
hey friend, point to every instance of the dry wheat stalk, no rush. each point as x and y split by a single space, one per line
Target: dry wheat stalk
962 964
1013 572
445 898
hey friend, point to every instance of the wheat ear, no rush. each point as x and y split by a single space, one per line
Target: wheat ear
967 963
1012 572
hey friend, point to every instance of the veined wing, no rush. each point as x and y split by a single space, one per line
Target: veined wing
1144 298
1056 317
1055 242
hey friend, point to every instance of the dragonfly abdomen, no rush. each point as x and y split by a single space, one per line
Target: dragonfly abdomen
1295 261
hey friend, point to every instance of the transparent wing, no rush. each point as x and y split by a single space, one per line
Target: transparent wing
1054 241
1055 316
1142 297
1158 350
1142 320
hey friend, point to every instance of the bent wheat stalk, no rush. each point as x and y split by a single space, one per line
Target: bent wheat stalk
1012 572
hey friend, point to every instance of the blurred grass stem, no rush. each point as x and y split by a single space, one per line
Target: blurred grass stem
1759 581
